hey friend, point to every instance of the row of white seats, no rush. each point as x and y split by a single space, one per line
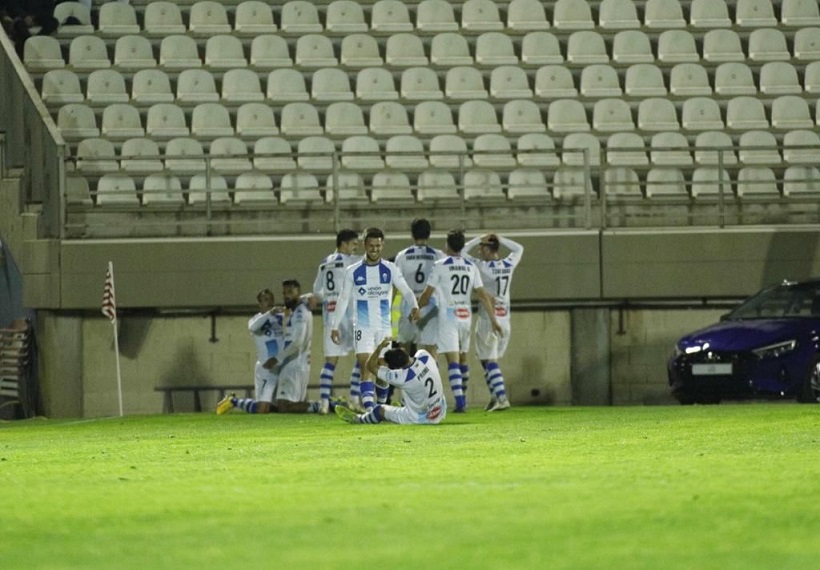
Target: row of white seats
148 86
448 49
385 118
391 16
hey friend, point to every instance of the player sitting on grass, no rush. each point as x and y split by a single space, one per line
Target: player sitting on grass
418 378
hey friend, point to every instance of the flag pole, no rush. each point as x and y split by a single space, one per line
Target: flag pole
109 309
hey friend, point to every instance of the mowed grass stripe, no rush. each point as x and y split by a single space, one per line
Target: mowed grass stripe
639 487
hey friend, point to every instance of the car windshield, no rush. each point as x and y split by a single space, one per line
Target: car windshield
782 301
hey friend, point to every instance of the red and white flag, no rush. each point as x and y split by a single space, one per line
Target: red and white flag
109 304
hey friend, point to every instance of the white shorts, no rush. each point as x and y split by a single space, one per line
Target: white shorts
489 345
293 380
366 340
346 342
404 415
453 335
264 383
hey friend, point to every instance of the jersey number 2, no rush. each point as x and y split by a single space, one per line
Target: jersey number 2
431 387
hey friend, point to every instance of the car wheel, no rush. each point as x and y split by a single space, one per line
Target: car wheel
810 390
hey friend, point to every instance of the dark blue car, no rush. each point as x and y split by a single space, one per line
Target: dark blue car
768 347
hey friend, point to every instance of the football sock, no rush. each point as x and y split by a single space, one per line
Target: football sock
371 417
326 380
245 404
368 389
454 376
495 380
313 407
382 394
355 382
465 378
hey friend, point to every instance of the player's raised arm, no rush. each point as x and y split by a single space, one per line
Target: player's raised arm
372 364
516 248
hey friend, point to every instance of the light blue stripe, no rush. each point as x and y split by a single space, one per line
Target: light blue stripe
362 314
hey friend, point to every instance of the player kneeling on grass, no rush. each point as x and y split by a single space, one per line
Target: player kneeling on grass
418 378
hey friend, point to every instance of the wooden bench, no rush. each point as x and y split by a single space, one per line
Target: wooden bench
221 389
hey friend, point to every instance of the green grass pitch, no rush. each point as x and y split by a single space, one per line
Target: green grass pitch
731 486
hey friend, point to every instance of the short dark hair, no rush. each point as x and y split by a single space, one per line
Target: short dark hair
420 229
491 242
373 233
455 240
291 283
264 292
396 358
346 235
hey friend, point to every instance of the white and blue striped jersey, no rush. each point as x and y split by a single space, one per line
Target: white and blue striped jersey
267 334
328 282
497 275
369 290
454 278
416 263
420 384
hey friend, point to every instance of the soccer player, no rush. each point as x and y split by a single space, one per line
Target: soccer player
496 273
368 287
453 280
266 329
415 263
326 288
420 382
293 361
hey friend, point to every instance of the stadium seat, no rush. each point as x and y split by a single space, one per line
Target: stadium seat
133 53
758 147
241 85
184 155
811 78
536 150
576 145
572 15
437 185
482 184
116 19
405 152
768 44
331 84
81 14
666 183
391 186
253 17
480 16
345 16
269 51
663 14
566 116
86 53
622 184
433 118
344 118
419 84
791 112
61 86
709 183
449 151
255 120
688 80
526 16
300 119
779 78
42 53
463 82
390 16
435 16
207 17
801 147
315 153
196 86
348 186
166 120
801 182
375 84
618 15
807 44
522 116
541 48
162 190
106 86
300 188
626 149
76 120
120 121
570 183
799 13
389 118
179 52
476 117
96 156
612 115
586 47
745 113
229 155
632 46
151 86
509 82
492 151
669 149
405 50
163 19
359 51
300 17
677 46
709 14
701 114
210 120
273 154
224 52
714 147
754 14
757 182
645 80
116 190
314 50
286 85
253 189
600 80
140 155
77 192
657 114
203 188
449 49
555 82
495 48
721 46
734 79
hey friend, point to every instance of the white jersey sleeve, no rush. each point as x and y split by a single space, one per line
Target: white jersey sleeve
298 330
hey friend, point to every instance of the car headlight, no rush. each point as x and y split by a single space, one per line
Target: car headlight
775 350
